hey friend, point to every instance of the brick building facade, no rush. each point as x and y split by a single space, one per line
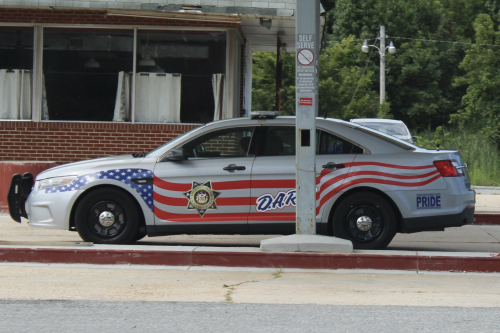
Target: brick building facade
81 67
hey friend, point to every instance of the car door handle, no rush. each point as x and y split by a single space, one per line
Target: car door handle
232 167
331 165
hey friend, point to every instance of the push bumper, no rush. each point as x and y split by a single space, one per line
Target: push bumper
439 222
20 189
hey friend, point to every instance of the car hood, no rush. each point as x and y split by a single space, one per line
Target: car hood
88 166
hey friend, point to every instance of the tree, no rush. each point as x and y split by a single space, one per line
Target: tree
481 103
419 76
345 90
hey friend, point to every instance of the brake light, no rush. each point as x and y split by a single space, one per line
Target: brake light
447 168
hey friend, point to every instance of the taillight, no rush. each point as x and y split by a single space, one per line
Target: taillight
447 168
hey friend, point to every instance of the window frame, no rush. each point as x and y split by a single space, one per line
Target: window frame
227 130
36 103
318 129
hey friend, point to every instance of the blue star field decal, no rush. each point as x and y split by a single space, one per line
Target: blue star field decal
122 175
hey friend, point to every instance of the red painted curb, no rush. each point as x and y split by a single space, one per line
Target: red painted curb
487 219
415 262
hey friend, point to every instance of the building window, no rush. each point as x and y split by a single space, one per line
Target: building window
88 74
198 58
16 72
83 71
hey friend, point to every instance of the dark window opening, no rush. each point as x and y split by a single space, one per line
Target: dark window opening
81 70
16 72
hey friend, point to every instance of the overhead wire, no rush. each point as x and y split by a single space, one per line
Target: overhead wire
407 38
359 81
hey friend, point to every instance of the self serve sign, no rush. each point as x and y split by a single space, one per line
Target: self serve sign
429 201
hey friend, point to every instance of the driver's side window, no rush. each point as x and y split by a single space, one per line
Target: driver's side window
224 143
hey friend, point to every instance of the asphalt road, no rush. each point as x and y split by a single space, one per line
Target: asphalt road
95 316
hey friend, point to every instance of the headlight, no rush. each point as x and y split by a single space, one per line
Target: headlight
56 181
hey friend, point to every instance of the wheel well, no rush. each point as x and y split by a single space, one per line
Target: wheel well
365 189
97 188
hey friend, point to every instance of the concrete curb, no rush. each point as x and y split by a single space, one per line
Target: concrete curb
253 257
487 219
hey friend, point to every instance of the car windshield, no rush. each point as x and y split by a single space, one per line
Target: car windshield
387 128
170 141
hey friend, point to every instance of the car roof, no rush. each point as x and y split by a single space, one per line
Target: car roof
375 120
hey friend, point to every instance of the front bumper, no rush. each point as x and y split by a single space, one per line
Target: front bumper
50 210
438 222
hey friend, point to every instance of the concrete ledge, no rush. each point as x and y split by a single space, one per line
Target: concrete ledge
9 168
306 243
253 257
487 219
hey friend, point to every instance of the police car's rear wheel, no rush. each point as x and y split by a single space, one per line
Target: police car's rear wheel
107 216
366 219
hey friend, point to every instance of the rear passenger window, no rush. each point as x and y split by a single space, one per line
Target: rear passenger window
280 140
330 144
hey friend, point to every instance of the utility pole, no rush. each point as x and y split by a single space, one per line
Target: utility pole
307 47
382 64
279 68
306 106
365 48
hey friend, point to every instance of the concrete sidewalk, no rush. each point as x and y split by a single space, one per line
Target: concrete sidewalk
414 252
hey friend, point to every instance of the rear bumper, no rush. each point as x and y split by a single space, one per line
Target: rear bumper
430 223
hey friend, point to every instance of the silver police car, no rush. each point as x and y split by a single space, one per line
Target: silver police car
237 176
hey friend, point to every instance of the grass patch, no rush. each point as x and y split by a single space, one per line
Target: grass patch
277 273
482 156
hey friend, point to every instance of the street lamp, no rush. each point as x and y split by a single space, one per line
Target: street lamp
381 51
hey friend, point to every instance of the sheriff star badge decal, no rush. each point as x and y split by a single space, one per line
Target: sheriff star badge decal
201 197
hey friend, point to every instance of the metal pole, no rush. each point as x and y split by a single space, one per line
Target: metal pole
279 72
382 64
306 77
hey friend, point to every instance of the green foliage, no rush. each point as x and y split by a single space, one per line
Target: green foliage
341 75
481 156
427 83
344 92
264 82
481 103
420 76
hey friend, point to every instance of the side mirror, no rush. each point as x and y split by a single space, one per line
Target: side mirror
414 138
176 155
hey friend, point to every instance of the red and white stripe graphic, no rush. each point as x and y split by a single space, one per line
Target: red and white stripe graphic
170 203
395 176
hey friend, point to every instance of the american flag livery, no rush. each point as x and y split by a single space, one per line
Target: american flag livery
122 175
328 184
331 182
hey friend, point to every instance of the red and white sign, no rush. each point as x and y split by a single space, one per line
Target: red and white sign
305 57
306 101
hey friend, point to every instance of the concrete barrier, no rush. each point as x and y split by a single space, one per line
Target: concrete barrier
9 168
487 219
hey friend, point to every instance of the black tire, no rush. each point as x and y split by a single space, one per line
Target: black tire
377 222
140 235
121 228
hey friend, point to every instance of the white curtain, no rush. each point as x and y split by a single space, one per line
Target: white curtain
45 109
122 102
15 94
218 88
158 98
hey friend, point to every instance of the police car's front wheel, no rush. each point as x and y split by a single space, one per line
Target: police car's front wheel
107 216
366 219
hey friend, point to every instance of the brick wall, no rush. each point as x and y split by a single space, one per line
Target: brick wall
70 142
